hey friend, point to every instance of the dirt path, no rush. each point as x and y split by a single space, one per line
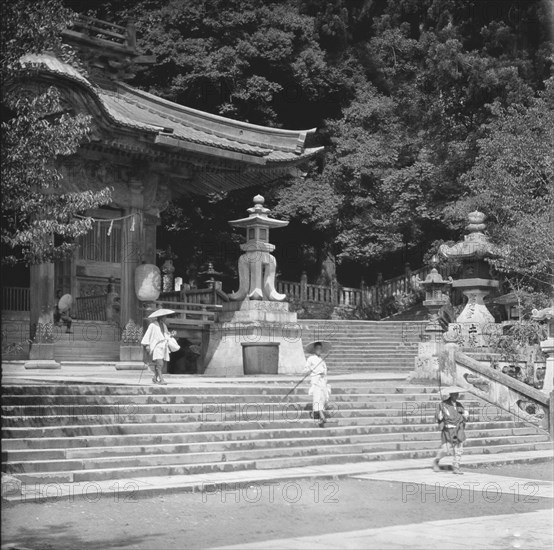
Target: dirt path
201 520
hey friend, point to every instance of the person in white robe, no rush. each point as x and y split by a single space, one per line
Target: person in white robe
156 341
319 388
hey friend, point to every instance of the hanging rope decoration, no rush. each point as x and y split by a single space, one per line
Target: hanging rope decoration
138 247
133 217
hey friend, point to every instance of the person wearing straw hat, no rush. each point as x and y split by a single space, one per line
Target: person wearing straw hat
158 342
62 311
452 417
319 388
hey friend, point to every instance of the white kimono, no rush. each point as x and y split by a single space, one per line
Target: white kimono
319 389
157 341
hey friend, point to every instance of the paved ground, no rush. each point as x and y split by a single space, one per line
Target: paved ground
398 509
98 373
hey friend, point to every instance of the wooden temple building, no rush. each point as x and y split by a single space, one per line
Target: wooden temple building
149 151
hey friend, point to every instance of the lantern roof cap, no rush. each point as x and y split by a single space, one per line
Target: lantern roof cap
210 270
258 215
476 244
435 277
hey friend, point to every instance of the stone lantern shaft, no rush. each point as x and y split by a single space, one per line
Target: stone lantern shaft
257 267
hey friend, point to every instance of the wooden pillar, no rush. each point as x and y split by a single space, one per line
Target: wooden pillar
43 301
150 224
131 249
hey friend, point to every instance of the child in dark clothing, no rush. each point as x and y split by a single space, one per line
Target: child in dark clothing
452 417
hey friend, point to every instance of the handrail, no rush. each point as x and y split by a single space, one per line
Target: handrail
498 388
502 378
342 295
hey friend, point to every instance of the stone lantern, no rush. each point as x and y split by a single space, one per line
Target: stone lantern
476 281
255 333
436 296
211 273
547 346
257 267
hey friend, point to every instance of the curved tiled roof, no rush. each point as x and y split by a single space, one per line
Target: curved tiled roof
182 128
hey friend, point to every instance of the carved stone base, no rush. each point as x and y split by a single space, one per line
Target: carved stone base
254 321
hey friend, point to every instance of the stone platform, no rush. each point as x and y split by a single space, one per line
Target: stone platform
251 322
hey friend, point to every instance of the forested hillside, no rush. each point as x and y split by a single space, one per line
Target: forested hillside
427 109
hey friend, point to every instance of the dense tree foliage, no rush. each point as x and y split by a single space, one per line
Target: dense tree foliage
512 180
38 220
415 100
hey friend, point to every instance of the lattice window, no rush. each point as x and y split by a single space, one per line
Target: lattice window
98 246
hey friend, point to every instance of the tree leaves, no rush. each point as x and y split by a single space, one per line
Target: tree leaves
38 218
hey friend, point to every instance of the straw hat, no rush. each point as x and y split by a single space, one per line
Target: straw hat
325 346
445 392
65 302
161 313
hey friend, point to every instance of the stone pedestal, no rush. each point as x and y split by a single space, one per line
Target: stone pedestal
426 364
254 321
475 321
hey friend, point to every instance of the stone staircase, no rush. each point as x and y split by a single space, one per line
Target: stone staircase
366 346
93 432
89 341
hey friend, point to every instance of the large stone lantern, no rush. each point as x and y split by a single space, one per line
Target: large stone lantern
476 281
255 333
257 266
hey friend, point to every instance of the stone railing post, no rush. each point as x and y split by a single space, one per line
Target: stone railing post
379 289
408 276
448 367
304 287
363 290
334 291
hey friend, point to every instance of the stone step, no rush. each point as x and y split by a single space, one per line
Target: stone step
121 473
175 423
84 432
184 445
59 402
189 456
392 430
129 407
245 386
182 405
255 414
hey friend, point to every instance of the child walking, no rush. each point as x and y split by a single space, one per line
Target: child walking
452 417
